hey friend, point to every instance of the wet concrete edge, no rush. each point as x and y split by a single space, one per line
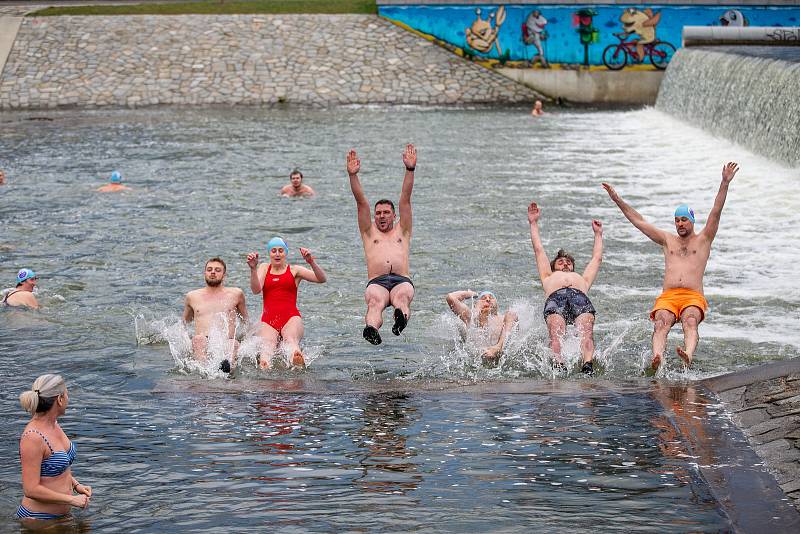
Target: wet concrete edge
763 401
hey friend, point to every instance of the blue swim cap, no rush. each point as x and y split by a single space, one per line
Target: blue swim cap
25 274
482 293
685 211
116 177
277 242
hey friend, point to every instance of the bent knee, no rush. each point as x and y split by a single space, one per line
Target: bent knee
690 321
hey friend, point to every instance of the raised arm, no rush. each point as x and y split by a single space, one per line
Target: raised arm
542 263
353 166
590 273
658 236
455 300
712 224
256 279
315 274
410 161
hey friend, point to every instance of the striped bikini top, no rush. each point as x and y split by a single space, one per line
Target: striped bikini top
58 461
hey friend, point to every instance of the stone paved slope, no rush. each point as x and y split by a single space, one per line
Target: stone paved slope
237 59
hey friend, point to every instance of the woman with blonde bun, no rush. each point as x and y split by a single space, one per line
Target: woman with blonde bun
46 455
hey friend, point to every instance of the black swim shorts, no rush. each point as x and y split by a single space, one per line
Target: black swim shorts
569 303
388 281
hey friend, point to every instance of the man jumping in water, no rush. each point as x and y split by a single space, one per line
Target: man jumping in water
386 247
565 292
215 302
484 316
685 259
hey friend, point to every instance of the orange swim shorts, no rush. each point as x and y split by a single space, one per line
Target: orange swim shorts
678 299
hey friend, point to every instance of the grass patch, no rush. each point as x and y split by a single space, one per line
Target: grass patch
219 7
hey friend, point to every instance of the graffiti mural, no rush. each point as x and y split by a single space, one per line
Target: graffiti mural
482 34
634 36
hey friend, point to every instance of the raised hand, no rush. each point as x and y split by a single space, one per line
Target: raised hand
533 213
729 171
307 256
353 163
597 226
252 260
611 192
410 157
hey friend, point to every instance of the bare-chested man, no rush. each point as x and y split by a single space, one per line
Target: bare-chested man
296 187
114 184
485 317
386 247
215 305
685 259
565 292
22 294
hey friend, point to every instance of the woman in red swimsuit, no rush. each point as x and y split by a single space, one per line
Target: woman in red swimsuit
277 281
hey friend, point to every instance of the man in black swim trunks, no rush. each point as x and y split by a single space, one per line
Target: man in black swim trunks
386 249
565 291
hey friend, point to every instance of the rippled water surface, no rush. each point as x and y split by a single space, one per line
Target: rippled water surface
375 438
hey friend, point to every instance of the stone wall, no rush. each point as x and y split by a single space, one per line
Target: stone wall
237 59
765 402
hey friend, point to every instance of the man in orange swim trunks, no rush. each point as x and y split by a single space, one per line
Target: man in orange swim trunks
685 258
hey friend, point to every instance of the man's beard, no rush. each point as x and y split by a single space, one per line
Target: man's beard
213 283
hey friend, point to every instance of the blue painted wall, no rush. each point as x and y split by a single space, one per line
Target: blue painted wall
562 44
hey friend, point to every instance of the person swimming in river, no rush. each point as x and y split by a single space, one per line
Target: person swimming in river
114 184
386 249
484 316
211 303
277 282
22 294
565 292
685 259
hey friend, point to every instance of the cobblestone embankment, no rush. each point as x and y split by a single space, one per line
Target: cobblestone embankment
765 402
237 59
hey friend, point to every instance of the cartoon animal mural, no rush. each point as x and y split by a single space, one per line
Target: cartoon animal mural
643 24
513 35
733 18
483 34
533 33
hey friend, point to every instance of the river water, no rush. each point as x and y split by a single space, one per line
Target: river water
384 437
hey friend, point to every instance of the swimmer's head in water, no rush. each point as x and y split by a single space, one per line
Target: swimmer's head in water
116 177
563 262
487 300
26 274
215 272
384 215
296 177
684 220
277 248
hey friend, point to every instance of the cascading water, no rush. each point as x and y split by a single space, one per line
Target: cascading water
749 95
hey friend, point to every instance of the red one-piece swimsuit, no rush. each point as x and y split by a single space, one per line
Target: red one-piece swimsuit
280 299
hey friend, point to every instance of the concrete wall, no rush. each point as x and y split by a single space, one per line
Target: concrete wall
251 59
591 87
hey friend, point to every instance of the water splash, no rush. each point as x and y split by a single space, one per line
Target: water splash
174 332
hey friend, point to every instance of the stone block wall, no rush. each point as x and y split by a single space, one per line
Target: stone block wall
237 59
768 411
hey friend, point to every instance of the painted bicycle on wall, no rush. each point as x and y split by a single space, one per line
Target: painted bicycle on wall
616 56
